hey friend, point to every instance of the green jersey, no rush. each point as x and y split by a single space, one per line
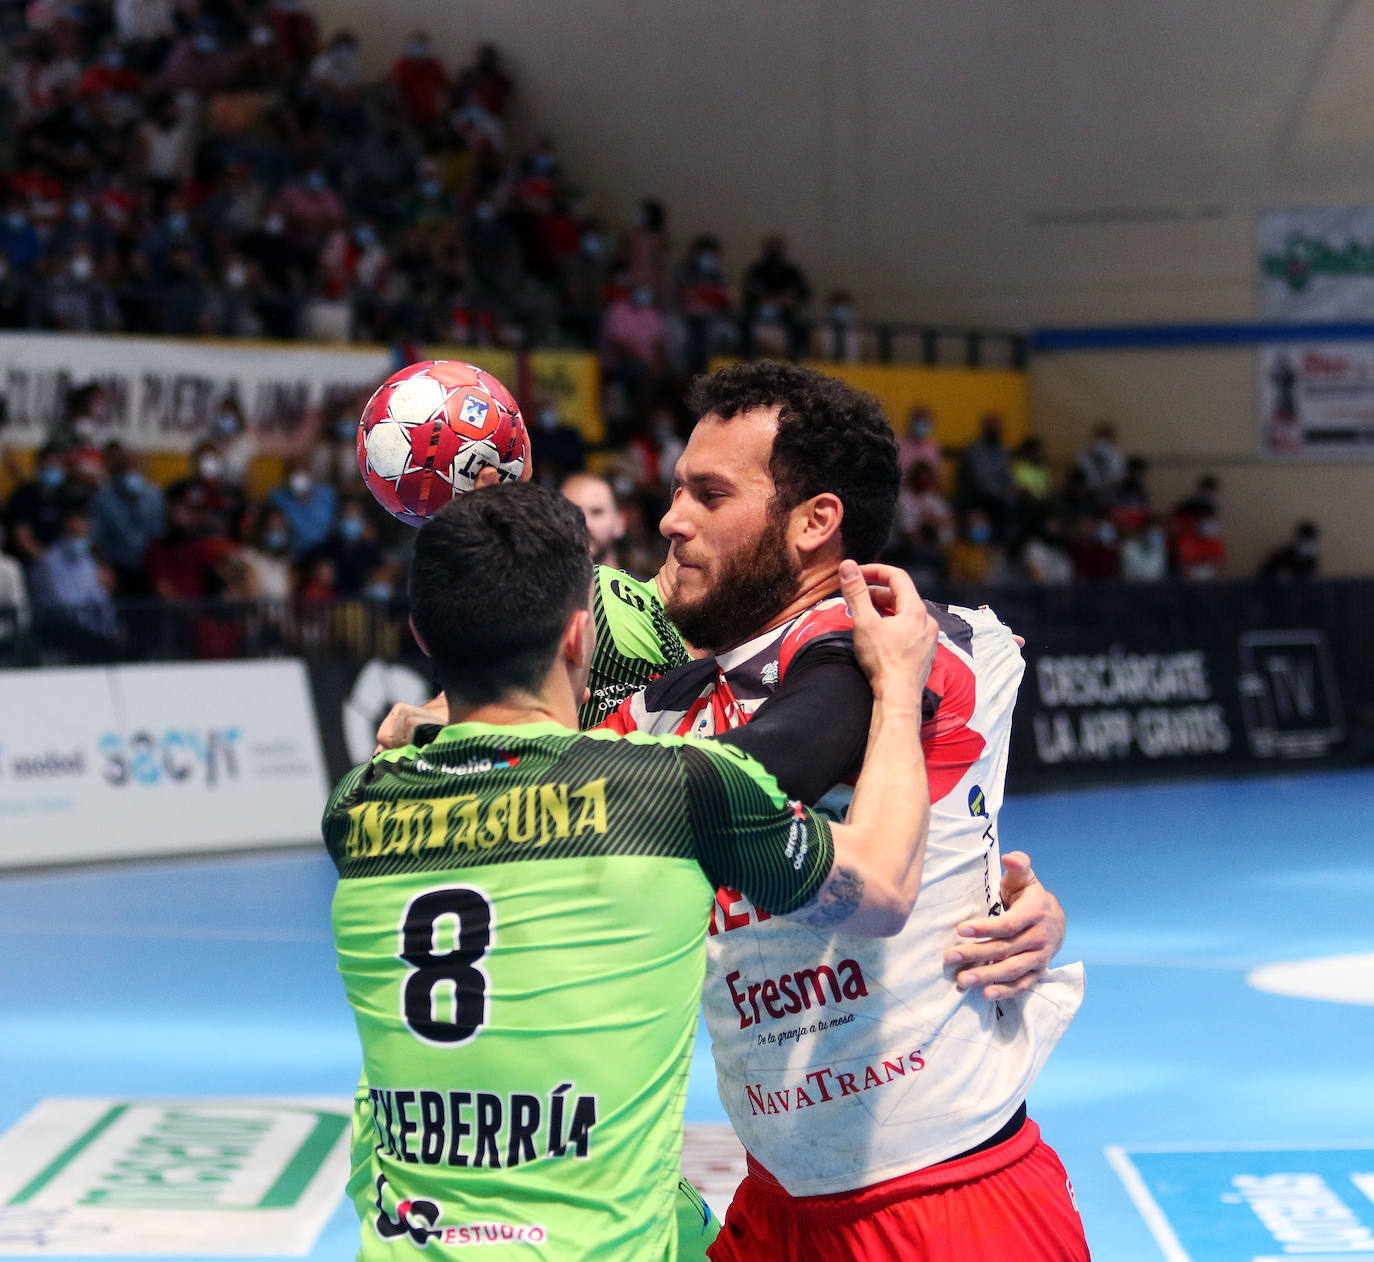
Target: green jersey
520 921
635 642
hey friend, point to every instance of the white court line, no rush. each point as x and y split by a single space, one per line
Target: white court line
198 933
1146 1204
1340 1145
1221 964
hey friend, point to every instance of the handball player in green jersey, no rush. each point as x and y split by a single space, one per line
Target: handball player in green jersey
521 909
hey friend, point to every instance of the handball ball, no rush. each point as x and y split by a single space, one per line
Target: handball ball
430 429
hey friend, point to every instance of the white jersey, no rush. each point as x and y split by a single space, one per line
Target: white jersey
843 1061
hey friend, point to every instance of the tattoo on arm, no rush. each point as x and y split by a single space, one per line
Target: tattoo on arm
836 900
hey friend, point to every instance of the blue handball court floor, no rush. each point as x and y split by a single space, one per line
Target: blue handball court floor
1213 1100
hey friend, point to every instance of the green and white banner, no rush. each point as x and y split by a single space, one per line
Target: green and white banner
187 1178
1317 264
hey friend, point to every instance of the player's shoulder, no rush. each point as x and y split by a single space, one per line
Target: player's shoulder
827 622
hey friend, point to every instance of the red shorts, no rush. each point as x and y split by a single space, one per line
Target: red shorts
1009 1203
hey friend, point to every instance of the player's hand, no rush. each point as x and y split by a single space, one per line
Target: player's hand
894 634
402 720
1007 954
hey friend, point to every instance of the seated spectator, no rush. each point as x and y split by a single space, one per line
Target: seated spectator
633 345
267 555
837 335
70 592
210 503
919 503
605 520
703 301
975 557
309 507
38 508
296 32
14 600
352 547
1045 555
646 247
486 81
1102 463
1131 503
1202 500
918 446
1145 551
775 291
1096 550
1199 553
420 79
1031 478
985 478
925 560
1299 558
126 516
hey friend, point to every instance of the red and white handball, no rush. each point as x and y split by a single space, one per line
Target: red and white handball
430 429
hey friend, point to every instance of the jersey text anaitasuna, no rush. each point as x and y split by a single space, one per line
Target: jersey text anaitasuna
519 922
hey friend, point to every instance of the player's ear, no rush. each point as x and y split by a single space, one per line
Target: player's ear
579 639
419 639
816 522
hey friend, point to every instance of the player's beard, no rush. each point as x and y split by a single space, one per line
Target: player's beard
752 587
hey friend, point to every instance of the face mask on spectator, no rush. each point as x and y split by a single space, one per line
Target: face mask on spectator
131 480
643 296
79 211
16 219
274 224
1155 537
417 48
82 267
431 188
1106 534
1207 529
300 483
365 236
380 590
79 547
841 314
276 541
707 261
52 475
1306 549
113 58
344 52
543 163
177 223
980 532
548 418
227 422
204 44
485 212
236 275
591 245
210 466
922 427
345 430
351 528
315 181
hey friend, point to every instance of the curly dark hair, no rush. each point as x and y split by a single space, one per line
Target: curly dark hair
495 574
831 437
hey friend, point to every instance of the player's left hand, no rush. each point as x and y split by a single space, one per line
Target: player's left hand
1007 954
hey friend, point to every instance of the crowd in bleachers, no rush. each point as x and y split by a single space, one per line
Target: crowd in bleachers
222 167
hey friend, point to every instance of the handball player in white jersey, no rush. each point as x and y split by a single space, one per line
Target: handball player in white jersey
879 1088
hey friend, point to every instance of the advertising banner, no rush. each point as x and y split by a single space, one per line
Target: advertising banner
161 393
1317 264
120 761
158 1178
1317 400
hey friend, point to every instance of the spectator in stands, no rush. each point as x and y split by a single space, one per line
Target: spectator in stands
296 32
1145 551
1199 553
1298 558
558 449
335 67
1045 555
836 336
70 592
420 79
920 503
1202 500
703 302
126 516
975 557
775 291
1102 463
267 555
486 81
197 63
985 478
646 247
925 559
352 547
605 520
209 504
1096 549
38 508
312 211
633 346
309 506
14 599
77 298
918 446
1131 501
1031 478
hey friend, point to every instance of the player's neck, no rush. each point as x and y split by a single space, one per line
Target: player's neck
549 705
814 585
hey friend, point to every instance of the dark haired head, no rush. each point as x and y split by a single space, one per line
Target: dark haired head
495 576
831 438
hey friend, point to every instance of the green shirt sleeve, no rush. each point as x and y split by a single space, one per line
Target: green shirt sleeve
748 835
635 642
